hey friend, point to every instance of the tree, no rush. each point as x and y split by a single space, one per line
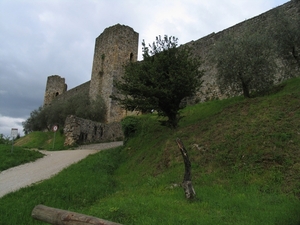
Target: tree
79 105
245 62
285 31
160 82
35 122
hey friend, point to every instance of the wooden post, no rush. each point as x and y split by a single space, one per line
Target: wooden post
187 180
62 217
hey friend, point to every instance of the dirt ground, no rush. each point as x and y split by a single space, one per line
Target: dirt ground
52 163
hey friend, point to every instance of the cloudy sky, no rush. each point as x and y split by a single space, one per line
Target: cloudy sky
39 38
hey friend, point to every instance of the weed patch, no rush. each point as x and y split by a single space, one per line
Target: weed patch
10 158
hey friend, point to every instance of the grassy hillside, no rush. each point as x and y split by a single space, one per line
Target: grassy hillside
10 157
42 140
245 165
245 169
24 149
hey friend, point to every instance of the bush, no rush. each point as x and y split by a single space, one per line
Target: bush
4 140
129 126
80 105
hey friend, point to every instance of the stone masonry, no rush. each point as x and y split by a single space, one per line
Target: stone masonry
82 131
115 47
55 87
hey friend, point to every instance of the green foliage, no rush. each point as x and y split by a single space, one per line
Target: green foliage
245 62
36 121
285 31
166 76
13 157
56 114
4 139
130 126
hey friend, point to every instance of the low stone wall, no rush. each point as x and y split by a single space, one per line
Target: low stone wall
82 131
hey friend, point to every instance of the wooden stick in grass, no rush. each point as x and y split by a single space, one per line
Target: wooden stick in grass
187 180
63 217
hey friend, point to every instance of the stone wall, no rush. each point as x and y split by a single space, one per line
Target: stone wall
203 48
82 131
56 89
55 86
80 89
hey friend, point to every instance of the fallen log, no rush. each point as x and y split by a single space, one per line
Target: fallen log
187 179
62 217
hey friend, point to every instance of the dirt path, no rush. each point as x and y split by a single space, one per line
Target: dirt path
44 168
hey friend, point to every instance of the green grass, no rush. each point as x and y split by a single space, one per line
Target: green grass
42 140
24 149
10 157
75 188
245 169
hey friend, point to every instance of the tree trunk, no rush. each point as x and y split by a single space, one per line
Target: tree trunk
245 86
63 217
187 180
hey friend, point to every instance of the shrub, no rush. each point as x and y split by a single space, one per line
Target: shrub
129 126
80 105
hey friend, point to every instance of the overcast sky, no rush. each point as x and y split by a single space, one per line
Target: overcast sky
39 38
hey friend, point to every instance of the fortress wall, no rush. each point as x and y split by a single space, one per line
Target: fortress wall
203 48
80 89
56 89
55 86
82 131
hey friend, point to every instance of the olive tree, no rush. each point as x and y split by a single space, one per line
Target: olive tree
285 31
79 105
244 62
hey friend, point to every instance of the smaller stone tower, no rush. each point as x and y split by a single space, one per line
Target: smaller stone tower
55 86
115 47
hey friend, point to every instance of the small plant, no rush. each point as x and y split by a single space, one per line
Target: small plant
129 126
4 139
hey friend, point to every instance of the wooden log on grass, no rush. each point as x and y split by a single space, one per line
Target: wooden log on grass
63 217
187 179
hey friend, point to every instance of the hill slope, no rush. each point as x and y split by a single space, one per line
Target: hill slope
245 169
260 136
245 165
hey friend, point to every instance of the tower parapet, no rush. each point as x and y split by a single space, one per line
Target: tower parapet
55 86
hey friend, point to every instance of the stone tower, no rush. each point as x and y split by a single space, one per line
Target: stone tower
55 86
116 46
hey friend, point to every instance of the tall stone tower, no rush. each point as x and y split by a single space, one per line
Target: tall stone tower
55 86
115 47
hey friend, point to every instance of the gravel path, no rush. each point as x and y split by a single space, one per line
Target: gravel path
52 163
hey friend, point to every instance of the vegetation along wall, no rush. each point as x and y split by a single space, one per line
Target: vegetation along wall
203 48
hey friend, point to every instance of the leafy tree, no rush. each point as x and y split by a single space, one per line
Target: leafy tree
244 62
160 82
285 30
45 117
35 122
